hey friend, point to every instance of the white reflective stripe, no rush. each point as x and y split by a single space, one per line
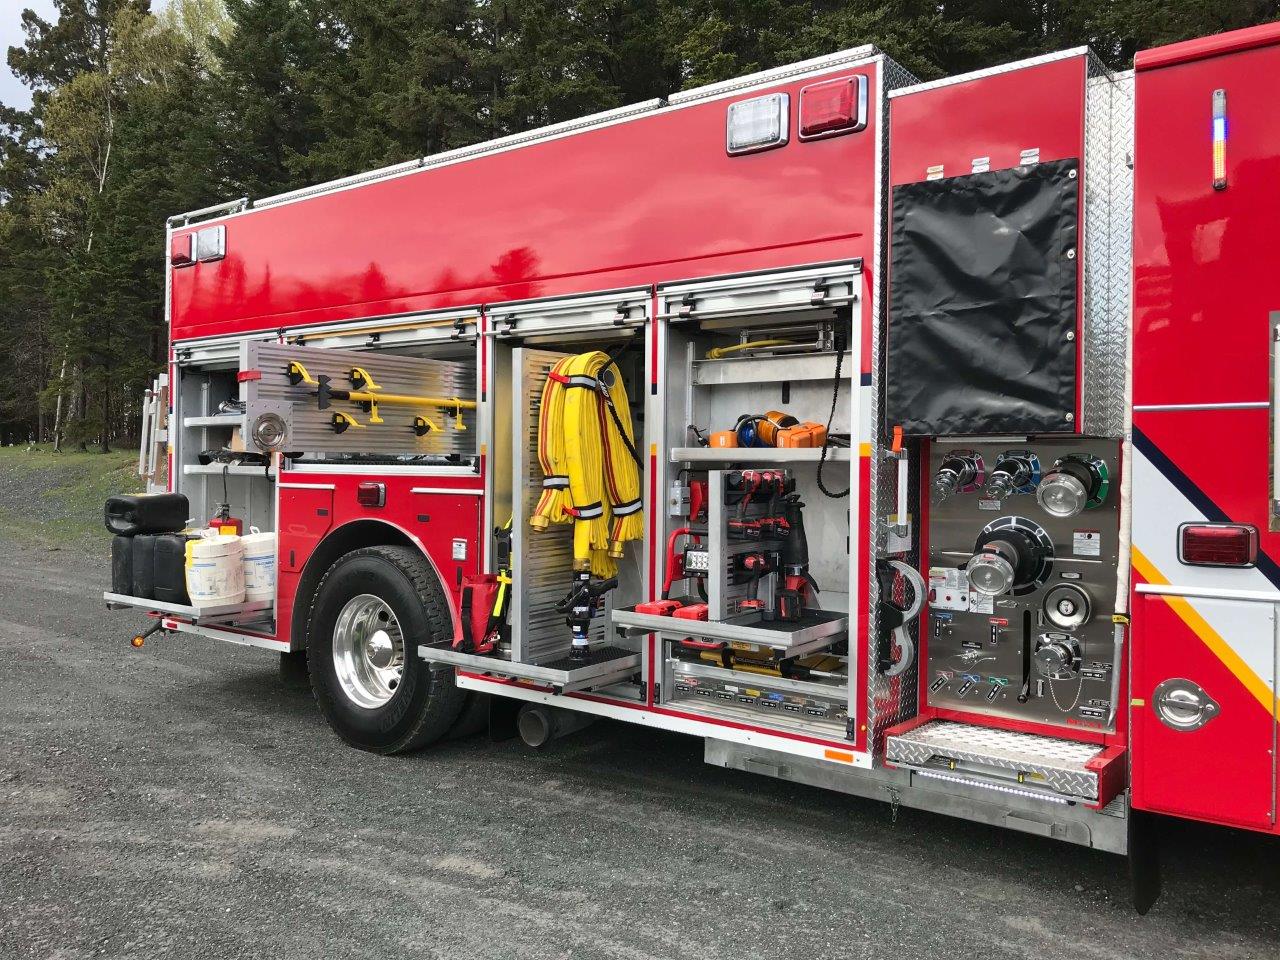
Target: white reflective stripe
556 482
1176 590
460 491
626 509
1225 597
1173 407
308 486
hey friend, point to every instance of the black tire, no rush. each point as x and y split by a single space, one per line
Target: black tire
293 668
426 702
474 717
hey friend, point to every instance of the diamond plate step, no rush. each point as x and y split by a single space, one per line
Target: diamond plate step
1061 767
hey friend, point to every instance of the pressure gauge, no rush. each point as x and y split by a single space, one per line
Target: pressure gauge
1066 606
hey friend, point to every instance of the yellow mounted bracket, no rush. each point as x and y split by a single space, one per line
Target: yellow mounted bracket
298 374
343 420
422 426
361 380
457 415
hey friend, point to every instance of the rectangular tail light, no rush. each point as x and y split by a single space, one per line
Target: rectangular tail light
833 107
370 494
1218 544
180 248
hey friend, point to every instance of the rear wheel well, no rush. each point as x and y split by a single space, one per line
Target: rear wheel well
350 536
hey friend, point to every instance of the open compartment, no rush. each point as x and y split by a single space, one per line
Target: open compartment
527 341
760 422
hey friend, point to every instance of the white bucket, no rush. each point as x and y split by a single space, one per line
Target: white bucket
259 565
215 571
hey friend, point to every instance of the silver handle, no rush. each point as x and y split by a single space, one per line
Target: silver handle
1183 705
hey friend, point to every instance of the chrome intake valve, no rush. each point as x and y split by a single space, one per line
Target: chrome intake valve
959 471
1074 483
1013 473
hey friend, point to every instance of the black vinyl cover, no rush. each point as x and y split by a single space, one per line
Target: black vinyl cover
983 304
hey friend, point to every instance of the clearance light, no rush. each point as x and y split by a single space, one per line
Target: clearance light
180 251
758 124
1217 544
370 494
211 244
1220 139
833 107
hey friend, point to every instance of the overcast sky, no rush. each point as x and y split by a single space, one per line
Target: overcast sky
12 92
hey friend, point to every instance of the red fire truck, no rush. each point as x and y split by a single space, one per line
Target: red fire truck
909 439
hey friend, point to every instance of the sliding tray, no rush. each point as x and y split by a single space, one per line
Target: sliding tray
608 665
814 630
255 610
1056 769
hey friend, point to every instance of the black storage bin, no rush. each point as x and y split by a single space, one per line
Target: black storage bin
122 566
130 514
169 566
144 566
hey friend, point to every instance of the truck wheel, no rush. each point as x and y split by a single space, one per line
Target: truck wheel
372 609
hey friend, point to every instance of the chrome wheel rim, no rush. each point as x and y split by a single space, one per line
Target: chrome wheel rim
368 651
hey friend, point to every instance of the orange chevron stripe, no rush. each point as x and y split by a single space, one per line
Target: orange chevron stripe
1210 637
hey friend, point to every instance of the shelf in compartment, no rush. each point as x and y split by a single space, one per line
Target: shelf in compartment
232 470
816 629
777 368
608 665
220 420
757 454
222 613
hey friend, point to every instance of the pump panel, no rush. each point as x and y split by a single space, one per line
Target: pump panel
1023 546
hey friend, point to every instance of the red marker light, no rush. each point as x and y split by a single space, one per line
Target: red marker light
370 494
833 107
180 251
1218 544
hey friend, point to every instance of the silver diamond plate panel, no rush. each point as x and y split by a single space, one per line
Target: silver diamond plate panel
888 701
1048 762
1108 206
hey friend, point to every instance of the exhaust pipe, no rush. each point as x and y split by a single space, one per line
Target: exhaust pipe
538 725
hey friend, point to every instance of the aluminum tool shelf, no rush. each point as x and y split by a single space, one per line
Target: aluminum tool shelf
221 613
608 665
727 455
817 627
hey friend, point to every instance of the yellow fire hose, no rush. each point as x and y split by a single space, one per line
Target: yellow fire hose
585 445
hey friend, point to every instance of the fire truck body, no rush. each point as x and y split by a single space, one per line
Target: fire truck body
1007 272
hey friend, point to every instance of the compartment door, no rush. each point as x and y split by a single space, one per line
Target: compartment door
306 514
1203 708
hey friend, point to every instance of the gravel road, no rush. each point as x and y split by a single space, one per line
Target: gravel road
181 801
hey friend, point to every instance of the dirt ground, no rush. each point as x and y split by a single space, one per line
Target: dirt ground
182 801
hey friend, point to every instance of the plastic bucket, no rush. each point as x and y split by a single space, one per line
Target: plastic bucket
215 571
259 565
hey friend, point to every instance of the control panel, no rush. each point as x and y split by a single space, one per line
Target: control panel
1023 547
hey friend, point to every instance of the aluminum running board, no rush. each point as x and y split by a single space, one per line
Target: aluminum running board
252 611
1059 770
609 665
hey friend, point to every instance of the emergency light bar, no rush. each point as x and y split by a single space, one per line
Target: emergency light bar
1220 139
758 124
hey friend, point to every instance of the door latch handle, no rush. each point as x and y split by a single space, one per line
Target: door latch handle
1183 705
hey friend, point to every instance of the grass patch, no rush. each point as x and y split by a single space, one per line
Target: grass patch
55 499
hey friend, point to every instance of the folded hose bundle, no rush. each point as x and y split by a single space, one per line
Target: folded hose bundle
586 447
